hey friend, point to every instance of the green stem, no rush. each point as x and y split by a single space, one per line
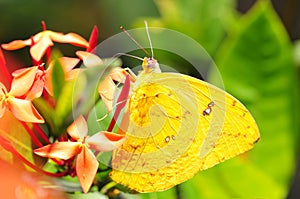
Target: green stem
178 192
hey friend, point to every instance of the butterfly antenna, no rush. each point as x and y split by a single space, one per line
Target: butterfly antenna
137 43
148 34
128 55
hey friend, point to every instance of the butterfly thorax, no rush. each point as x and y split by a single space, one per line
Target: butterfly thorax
150 65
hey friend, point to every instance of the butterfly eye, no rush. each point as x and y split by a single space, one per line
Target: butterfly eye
152 63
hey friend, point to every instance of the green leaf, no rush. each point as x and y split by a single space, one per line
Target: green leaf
45 110
256 63
231 179
205 21
62 116
58 75
93 195
297 52
99 111
12 130
170 194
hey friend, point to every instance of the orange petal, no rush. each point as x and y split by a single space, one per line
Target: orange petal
61 150
78 129
89 59
2 107
22 71
105 141
24 110
71 38
48 81
118 74
3 90
48 78
17 44
36 90
23 80
68 63
86 168
37 37
38 50
73 74
107 89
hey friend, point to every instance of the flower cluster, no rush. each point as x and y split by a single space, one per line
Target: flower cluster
72 150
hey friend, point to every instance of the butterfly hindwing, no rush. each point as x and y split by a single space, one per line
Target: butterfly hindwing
176 126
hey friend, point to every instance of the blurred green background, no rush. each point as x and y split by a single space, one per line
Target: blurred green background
253 43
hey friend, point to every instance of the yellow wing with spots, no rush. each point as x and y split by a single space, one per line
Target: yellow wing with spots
176 126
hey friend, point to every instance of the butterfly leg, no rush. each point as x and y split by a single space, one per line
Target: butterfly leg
131 73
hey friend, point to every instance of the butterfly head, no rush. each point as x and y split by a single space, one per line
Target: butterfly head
150 65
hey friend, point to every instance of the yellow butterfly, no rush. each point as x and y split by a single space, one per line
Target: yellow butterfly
177 125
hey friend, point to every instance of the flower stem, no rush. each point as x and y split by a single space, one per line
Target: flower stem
63 137
9 147
4 69
41 133
38 169
32 135
48 51
121 102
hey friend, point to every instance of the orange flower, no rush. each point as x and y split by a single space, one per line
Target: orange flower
21 108
67 63
45 39
107 87
34 78
86 162
20 183
37 78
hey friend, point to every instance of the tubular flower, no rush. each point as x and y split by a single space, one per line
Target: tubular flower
21 108
45 39
86 162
